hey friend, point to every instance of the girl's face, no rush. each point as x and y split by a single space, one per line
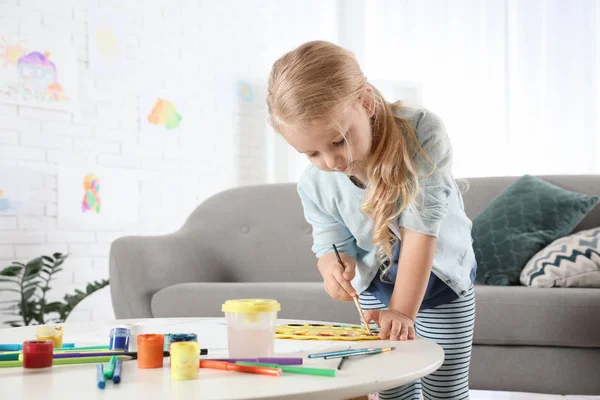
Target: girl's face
331 150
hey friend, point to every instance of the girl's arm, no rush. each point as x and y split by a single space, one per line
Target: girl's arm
414 269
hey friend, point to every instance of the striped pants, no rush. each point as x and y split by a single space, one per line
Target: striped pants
451 326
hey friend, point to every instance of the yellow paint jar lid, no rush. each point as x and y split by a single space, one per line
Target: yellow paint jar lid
251 306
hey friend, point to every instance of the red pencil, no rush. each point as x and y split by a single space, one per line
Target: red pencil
250 369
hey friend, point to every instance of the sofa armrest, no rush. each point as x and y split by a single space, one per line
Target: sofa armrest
140 266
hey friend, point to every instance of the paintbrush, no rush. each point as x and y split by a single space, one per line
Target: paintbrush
342 360
355 297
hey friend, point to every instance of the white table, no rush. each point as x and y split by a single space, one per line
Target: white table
360 376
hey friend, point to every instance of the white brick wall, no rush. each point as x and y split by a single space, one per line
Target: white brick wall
184 45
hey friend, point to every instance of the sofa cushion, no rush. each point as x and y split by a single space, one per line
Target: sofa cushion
520 315
521 221
571 261
299 300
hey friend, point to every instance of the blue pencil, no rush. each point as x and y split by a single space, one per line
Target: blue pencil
100 376
117 374
340 353
19 347
361 353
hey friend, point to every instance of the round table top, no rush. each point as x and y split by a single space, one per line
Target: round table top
359 376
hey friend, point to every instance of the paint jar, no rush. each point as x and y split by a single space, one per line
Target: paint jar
251 327
119 339
150 350
53 333
38 353
185 360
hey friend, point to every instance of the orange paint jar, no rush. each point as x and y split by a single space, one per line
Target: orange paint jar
150 350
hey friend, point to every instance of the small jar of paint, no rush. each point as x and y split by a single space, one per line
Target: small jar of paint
179 337
150 350
251 327
53 333
38 353
185 360
119 339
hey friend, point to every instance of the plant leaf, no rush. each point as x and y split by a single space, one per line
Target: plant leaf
11 270
72 300
28 293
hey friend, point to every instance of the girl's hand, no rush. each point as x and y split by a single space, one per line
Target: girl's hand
392 324
336 278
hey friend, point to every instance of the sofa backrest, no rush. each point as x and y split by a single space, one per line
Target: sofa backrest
481 191
258 233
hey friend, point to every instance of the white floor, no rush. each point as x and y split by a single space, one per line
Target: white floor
491 395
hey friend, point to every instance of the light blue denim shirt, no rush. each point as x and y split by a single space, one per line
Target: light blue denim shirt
332 206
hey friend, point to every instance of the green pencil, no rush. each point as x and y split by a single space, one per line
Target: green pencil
65 361
293 369
67 349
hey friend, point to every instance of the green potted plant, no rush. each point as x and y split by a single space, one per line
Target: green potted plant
32 281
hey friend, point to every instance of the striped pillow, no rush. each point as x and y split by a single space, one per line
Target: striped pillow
571 261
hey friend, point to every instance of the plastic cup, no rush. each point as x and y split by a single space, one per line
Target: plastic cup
54 333
251 327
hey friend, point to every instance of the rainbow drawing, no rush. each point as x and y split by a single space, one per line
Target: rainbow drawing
4 203
164 114
244 91
91 198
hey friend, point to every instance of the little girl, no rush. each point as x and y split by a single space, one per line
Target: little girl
381 189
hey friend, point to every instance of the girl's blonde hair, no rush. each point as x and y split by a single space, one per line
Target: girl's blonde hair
318 80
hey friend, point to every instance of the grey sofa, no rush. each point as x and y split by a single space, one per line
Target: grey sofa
254 242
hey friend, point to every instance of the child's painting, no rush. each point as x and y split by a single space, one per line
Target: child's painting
164 113
97 198
91 196
106 42
37 72
15 190
239 97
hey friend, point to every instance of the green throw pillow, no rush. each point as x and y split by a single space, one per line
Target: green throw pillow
521 221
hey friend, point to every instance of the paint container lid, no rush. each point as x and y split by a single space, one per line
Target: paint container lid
49 330
182 337
251 306
119 332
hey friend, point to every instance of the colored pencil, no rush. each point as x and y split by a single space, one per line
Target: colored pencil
66 361
341 352
19 346
14 356
364 353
